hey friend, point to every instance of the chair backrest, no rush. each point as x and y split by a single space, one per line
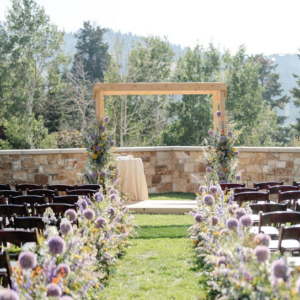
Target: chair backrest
284 188
18 237
242 190
82 192
5 264
29 223
264 185
290 195
69 199
296 183
2 200
252 196
5 187
94 187
278 217
58 208
28 186
231 185
29 199
7 193
268 207
60 187
8 210
48 193
291 233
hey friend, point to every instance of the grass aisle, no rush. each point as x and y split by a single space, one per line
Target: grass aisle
160 263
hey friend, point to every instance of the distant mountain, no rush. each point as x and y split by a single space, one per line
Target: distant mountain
288 64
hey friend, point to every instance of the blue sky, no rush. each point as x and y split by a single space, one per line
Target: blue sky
264 26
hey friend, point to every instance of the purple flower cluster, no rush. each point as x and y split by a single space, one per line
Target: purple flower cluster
53 290
27 260
6 294
89 214
232 223
199 218
56 245
100 222
65 227
262 253
209 200
71 215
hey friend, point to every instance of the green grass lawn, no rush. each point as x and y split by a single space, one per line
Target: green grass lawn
172 196
159 265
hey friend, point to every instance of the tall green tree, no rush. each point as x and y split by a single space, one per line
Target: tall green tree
92 52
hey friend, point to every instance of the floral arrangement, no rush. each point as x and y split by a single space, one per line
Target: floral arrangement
221 155
75 262
99 146
237 264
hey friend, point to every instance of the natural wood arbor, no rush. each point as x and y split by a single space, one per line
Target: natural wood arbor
217 89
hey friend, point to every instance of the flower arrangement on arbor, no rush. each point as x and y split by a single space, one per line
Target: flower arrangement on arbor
99 144
221 155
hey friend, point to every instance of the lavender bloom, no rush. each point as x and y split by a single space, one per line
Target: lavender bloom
222 261
63 270
236 153
102 128
213 189
27 260
98 197
199 218
240 212
56 245
6 294
65 227
229 133
82 203
246 221
222 139
102 174
203 189
209 200
95 175
98 148
112 191
219 114
232 224
112 143
262 239
71 215
54 290
262 253
107 119
214 220
230 199
89 214
100 222
280 269
238 177
111 211
92 137
114 197
210 132
208 169
221 174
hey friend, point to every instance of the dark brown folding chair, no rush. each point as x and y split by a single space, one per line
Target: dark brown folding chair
94 187
28 186
8 210
61 188
82 192
49 194
264 185
283 188
29 199
268 207
7 193
289 239
293 196
5 269
296 183
29 223
241 190
58 208
231 185
4 187
251 197
69 199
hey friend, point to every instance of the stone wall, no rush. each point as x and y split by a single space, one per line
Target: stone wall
167 169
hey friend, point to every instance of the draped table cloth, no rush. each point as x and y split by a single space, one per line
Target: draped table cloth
132 177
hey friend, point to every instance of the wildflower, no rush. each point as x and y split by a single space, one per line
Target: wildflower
102 128
77 256
112 143
224 147
94 156
103 138
6 294
222 261
199 218
208 169
222 139
238 177
210 132
82 203
63 270
246 221
107 119
56 245
232 223
262 239
218 113
112 191
111 211
89 214
229 154
231 209
223 181
92 137
229 133
100 222
214 220
236 153
209 200
98 197
102 174
221 174
54 290
280 269
240 212
220 152
213 189
262 253
65 227
224 170
27 260
202 189
114 197
71 215
223 231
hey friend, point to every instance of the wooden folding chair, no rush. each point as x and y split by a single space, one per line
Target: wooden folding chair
5 269
29 223
231 185
43 192
264 185
94 187
292 196
4 187
82 192
7 211
268 207
251 197
61 188
241 190
28 186
7 193
29 200
69 199
289 239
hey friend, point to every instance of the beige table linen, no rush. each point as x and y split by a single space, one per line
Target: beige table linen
132 178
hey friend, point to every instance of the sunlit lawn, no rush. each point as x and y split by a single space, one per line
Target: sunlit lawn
172 196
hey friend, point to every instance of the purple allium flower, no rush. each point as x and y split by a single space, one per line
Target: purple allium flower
203 189
297 286
223 231
199 218
208 170
100 222
232 223
107 119
111 211
223 181
65 227
92 137
89 214
71 214
240 212
229 133
262 239
210 132
6 294
82 203
222 261
102 128
214 220
221 174
113 191
63 269
209 200
213 189
219 114
238 177
112 143
54 290
66 298
231 209
98 197
262 253
102 174
246 221
95 175
236 153
56 245
222 139
114 197
280 268
27 260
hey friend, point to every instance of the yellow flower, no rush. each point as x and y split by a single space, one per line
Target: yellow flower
103 242
77 256
103 138
99 152
82 146
96 285
229 154
106 250
101 145
94 156
67 290
211 158
95 230
233 149
216 233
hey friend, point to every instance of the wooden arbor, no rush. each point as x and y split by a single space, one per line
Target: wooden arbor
218 90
